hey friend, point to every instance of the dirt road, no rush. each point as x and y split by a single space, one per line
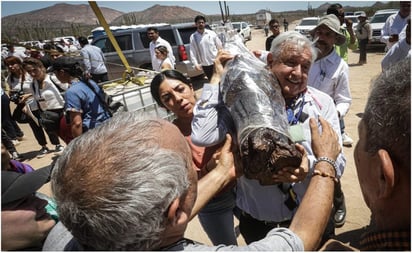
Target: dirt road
358 214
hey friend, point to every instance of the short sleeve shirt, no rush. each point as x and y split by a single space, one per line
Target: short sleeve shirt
80 98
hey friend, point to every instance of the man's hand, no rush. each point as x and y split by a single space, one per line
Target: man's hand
325 143
349 23
198 67
224 159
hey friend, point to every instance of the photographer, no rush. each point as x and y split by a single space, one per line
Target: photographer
20 83
48 99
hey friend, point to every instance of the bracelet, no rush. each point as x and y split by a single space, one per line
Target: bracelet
328 160
324 174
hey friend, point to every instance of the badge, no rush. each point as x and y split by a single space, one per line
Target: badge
296 133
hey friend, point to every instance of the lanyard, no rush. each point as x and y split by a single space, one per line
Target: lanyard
292 117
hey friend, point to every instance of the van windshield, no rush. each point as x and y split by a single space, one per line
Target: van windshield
309 22
236 26
380 18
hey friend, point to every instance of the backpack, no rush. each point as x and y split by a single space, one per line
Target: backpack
111 106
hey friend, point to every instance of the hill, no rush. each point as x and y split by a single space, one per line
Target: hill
58 20
158 14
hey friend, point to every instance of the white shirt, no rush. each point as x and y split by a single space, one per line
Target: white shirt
19 54
48 97
331 75
17 84
156 63
204 47
263 202
93 59
398 51
393 25
166 60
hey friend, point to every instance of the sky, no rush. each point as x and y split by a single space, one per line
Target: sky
206 7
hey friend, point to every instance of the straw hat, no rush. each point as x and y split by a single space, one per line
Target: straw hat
333 23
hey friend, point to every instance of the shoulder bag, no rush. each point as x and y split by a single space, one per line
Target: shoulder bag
111 106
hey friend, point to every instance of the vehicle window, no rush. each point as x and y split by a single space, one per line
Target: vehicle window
185 34
165 34
124 41
104 44
236 26
309 22
380 18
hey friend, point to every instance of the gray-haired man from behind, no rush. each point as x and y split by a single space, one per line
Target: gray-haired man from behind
139 190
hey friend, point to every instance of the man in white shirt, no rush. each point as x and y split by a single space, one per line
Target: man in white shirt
12 52
156 40
204 45
330 74
93 60
399 50
391 31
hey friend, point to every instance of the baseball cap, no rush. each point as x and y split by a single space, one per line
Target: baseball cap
16 185
333 23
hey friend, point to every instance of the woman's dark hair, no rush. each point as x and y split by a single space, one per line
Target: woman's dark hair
159 78
11 60
70 65
33 62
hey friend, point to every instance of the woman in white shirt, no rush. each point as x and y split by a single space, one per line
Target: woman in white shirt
48 99
164 61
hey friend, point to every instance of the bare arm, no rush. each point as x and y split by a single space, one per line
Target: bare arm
20 229
76 123
216 179
312 215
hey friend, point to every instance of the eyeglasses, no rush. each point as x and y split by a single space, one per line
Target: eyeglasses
274 26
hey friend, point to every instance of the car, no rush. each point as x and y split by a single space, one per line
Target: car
358 13
243 29
377 22
134 44
306 25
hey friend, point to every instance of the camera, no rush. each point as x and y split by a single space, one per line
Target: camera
15 96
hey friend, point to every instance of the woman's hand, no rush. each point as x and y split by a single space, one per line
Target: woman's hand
220 61
24 97
294 175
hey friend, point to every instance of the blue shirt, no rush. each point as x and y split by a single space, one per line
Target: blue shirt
80 98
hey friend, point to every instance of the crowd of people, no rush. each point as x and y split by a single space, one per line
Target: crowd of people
134 182
48 99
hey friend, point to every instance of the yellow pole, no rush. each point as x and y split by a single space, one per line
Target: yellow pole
109 33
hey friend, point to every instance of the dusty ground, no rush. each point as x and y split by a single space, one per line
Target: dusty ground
357 213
